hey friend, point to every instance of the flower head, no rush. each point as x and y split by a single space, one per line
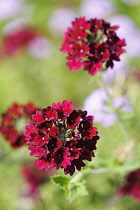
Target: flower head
13 122
18 39
61 137
132 185
91 43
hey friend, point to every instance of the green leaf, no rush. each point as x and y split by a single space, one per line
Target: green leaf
75 189
61 181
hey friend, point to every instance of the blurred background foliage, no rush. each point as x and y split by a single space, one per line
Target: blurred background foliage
24 78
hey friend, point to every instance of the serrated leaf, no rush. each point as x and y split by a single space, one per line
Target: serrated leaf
75 190
61 181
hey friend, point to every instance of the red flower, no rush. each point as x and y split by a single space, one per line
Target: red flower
132 185
63 138
92 68
35 178
91 43
17 40
81 23
74 64
13 122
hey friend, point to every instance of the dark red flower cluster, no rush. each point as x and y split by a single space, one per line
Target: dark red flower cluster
91 43
13 122
61 137
17 40
35 178
131 186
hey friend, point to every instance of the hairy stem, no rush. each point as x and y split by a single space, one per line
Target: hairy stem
100 170
121 122
76 177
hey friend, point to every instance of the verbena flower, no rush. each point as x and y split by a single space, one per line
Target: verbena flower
61 137
91 43
35 178
17 39
18 35
13 122
131 185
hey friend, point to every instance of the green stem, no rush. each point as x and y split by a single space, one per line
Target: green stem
100 170
121 122
76 177
42 203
